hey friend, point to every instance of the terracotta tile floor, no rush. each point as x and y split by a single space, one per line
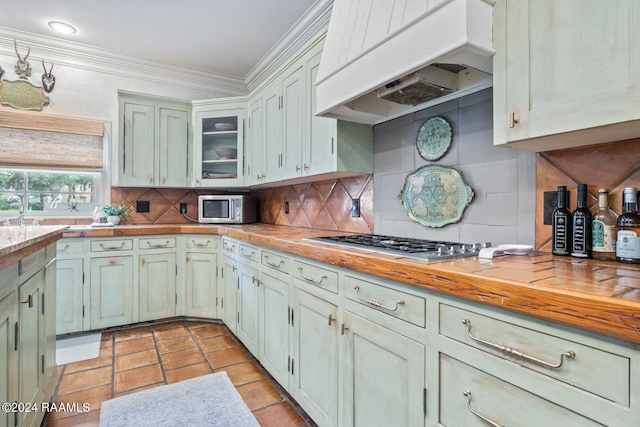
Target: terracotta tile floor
150 356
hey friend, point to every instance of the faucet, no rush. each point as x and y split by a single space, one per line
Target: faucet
20 219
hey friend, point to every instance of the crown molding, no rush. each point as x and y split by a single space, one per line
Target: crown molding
308 26
86 57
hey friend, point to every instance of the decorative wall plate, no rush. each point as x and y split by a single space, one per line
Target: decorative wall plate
434 138
435 195
22 95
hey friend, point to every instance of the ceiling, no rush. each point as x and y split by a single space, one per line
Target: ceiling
223 37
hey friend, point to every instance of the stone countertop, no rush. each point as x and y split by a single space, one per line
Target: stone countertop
598 296
18 242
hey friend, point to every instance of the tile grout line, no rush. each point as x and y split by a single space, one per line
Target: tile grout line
155 346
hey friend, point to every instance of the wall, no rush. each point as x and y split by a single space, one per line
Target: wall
503 179
612 166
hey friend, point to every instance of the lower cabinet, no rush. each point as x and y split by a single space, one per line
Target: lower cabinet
382 376
111 291
228 293
248 306
50 315
8 354
69 301
157 296
314 360
200 279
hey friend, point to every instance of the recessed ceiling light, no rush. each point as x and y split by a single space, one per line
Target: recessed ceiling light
61 27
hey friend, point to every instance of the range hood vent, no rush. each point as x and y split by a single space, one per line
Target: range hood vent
433 51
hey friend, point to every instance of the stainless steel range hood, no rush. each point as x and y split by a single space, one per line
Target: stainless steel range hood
382 60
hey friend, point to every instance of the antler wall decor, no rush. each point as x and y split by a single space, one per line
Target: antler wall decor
23 69
48 79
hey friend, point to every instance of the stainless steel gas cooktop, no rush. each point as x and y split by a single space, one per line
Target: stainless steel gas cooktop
427 250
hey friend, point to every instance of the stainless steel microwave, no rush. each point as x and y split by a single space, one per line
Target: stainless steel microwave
227 209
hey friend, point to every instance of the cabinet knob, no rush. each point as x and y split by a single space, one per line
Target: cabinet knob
305 166
513 120
297 168
29 301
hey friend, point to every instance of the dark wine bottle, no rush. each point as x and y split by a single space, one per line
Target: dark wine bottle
561 243
581 221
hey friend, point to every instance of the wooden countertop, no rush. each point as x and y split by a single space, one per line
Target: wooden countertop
18 242
598 296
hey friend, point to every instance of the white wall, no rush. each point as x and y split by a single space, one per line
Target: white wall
89 94
503 179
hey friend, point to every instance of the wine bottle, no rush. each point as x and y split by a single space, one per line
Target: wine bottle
603 229
561 242
628 244
581 222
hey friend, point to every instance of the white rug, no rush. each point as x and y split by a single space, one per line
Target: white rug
69 350
209 400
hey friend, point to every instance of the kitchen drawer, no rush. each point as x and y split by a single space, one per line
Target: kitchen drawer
230 245
464 389
317 276
65 247
31 262
603 373
405 306
199 242
249 253
275 261
157 242
111 245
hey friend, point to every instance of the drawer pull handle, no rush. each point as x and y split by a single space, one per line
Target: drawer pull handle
29 301
254 279
229 248
158 245
201 244
477 414
512 351
244 254
343 328
311 279
273 264
64 249
331 319
376 303
112 247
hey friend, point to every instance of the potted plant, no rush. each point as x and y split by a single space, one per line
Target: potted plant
116 212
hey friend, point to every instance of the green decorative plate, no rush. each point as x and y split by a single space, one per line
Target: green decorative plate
22 95
435 195
434 138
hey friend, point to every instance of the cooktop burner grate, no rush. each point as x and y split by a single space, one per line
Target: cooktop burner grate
403 246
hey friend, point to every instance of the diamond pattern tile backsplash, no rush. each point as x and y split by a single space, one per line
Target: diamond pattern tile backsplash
324 204
612 166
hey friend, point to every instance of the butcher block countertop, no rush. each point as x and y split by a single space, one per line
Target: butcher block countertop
598 296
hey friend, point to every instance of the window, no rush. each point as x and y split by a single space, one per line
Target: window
48 193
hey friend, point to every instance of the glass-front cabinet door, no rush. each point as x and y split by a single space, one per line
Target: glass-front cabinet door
219 138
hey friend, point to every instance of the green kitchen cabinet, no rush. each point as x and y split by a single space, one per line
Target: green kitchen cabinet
50 314
219 142
292 137
228 293
111 291
254 146
314 361
31 344
247 328
69 295
154 141
382 376
272 132
274 326
8 352
201 270
157 296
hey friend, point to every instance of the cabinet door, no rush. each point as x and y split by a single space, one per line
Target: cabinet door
254 156
111 291
138 146
50 314
173 158
157 286
320 141
272 142
274 327
248 307
314 364
69 285
228 293
31 344
293 123
8 356
201 284
565 66
376 396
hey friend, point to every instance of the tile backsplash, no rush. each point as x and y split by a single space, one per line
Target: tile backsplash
612 166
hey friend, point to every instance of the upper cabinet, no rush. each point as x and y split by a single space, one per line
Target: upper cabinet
566 73
153 135
287 142
219 142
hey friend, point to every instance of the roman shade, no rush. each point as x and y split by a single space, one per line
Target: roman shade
40 141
